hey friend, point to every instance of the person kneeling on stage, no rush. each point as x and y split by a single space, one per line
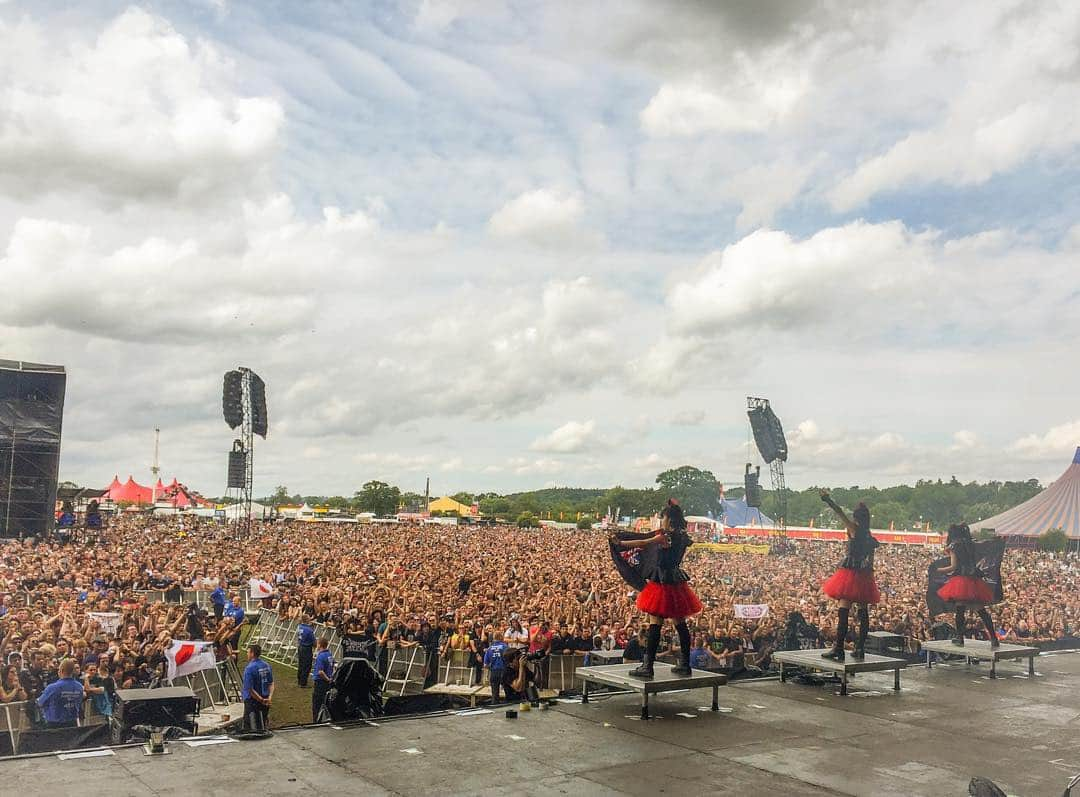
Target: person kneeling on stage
667 593
853 582
966 588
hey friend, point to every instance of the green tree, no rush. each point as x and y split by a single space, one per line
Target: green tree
495 506
1053 540
280 496
527 520
464 498
413 502
585 523
694 488
378 497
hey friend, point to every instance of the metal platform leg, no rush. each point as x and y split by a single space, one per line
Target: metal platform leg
644 705
585 691
929 653
716 698
782 677
843 683
993 667
896 680
1031 666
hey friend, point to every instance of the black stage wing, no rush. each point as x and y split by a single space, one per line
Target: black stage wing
633 563
988 556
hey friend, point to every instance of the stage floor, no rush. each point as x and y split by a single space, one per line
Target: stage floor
946 725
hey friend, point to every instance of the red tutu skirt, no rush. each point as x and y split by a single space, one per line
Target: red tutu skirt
966 589
857 586
668 600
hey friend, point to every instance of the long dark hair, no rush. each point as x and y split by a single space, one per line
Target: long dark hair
674 515
958 532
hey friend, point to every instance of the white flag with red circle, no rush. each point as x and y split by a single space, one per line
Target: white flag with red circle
260 589
186 656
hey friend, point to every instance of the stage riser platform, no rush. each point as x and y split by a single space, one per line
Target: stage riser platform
980 650
618 676
812 660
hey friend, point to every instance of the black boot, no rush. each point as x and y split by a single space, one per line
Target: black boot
989 623
653 642
683 669
837 653
864 628
961 624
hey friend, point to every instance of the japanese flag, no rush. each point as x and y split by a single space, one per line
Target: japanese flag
186 656
260 589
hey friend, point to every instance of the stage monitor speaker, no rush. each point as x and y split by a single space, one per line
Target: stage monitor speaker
768 434
237 469
175 706
31 420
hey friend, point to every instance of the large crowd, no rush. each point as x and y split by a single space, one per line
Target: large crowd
441 587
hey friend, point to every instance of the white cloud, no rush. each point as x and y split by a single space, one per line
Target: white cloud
572 437
1054 445
139 112
544 217
1020 100
691 106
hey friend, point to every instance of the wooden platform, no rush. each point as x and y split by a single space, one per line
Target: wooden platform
811 660
618 675
978 649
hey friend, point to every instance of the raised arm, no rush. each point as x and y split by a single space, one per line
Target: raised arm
848 524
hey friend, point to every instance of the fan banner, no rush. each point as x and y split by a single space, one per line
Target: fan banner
751 611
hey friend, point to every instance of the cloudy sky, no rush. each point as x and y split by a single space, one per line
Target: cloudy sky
511 245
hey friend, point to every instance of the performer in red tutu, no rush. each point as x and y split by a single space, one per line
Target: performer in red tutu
664 591
966 587
853 582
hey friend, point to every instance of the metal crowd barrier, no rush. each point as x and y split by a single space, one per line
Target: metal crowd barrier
404 672
561 669
201 598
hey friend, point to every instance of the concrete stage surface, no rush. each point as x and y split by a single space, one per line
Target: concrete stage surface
946 725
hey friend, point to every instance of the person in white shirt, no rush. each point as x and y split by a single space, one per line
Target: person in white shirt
516 635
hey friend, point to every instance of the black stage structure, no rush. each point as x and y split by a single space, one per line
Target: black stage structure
772 445
31 420
243 404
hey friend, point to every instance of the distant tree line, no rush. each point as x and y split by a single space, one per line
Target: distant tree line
938 503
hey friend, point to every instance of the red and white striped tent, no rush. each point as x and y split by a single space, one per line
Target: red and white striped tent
1056 507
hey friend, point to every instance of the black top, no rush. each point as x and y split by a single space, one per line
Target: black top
669 561
860 551
965 558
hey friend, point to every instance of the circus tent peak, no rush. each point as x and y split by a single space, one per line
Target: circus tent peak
1056 507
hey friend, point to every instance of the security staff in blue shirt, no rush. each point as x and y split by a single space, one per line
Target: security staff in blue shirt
324 676
305 645
217 600
234 610
257 691
62 700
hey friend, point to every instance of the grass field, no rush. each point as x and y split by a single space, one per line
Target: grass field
292 705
